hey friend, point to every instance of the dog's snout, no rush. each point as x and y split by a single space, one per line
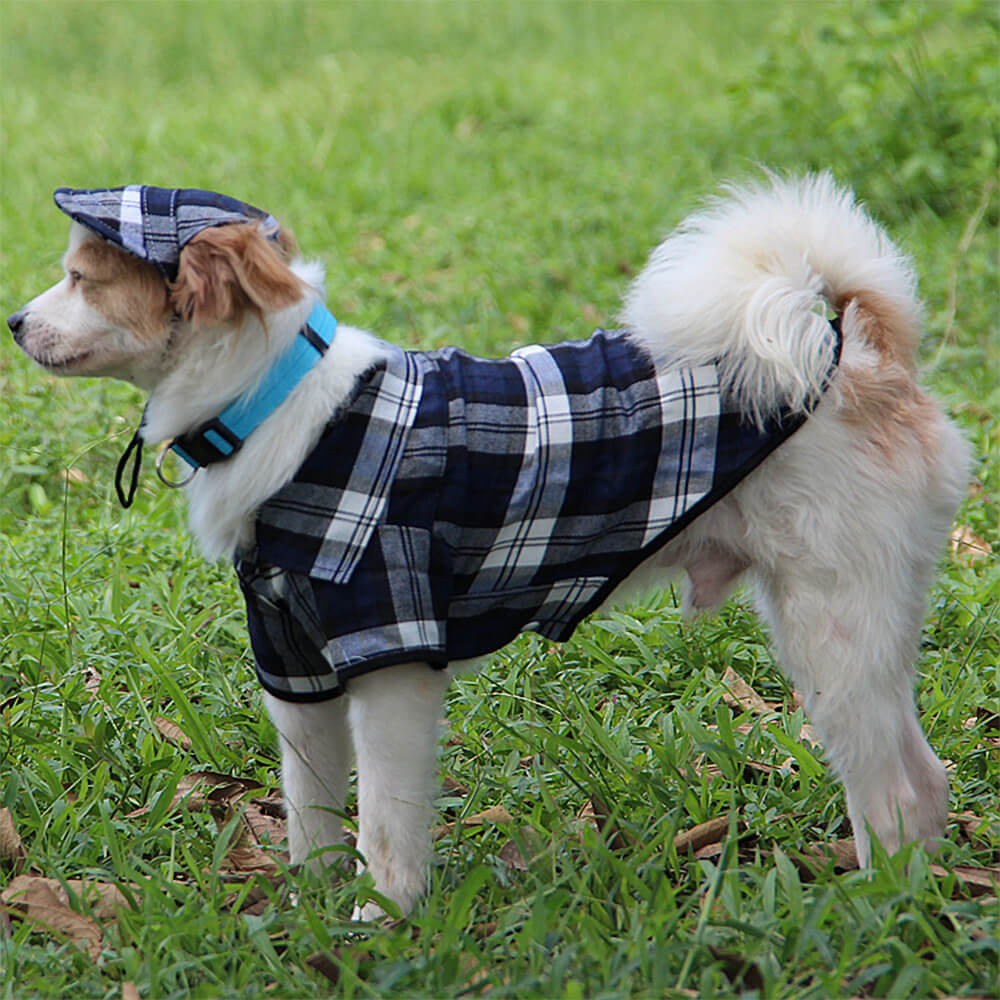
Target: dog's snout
16 323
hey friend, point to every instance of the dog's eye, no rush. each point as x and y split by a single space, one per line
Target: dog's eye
74 275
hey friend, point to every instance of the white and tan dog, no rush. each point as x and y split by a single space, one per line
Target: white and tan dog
838 530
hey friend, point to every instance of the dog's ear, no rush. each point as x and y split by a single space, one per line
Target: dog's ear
227 271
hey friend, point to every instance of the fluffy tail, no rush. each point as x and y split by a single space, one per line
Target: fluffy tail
751 281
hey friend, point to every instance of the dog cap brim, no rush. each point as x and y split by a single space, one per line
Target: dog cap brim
155 223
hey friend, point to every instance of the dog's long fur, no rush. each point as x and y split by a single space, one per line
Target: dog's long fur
838 531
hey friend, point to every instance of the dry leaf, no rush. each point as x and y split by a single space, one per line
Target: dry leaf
451 786
596 815
204 789
739 969
699 836
967 545
45 901
324 965
246 858
263 825
130 991
975 827
172 733
493 815
978 881
708 851
843 853
510 855
738 694
989 718
257 898
12 852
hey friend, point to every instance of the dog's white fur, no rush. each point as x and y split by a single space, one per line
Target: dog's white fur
838 531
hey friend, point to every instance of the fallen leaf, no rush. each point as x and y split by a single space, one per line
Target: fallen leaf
975 827
978 881
172 733
45 901
204 790
257 898
247 858
494 815
709 832
510 855
739 969
130 991
989 718
967 545
12 852
324 965
92 680
843 853
738 694
264 826
450 786
708 851
326 962
596 815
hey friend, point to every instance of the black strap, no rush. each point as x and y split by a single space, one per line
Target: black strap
125 499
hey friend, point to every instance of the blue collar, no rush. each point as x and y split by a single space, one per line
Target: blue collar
222 436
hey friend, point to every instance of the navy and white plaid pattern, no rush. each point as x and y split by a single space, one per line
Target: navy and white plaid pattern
457 502
155 223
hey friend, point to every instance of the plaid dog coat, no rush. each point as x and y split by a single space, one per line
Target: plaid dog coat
456 502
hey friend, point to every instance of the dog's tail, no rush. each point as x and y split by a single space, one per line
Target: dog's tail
751 283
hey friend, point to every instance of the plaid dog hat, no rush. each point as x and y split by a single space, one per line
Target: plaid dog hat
156 223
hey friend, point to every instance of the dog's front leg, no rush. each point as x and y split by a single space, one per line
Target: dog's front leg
394 715
315 760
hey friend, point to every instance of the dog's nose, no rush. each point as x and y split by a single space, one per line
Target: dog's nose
15 323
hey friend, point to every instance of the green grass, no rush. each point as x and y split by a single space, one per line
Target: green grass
487 174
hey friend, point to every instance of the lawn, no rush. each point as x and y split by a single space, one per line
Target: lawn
640 812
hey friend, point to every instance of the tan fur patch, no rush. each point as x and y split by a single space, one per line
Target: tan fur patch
227 272
128 292
891 327
896 415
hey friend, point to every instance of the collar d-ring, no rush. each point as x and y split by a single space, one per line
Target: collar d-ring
162 477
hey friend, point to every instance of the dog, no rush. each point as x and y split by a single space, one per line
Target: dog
757 415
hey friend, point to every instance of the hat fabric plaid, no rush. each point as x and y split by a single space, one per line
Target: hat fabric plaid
457 502
156 223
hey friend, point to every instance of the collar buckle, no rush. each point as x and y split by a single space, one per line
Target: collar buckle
161 475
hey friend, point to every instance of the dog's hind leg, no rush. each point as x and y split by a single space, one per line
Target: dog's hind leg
315 760
395 718
849 645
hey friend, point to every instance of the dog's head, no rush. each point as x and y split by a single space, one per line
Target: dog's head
127 304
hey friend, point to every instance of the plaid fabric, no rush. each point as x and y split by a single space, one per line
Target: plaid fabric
457 502
156 223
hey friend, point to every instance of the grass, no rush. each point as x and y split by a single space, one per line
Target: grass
488 174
